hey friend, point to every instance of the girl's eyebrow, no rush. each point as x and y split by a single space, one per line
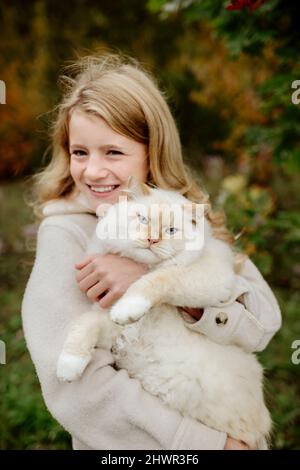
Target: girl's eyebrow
102 147
77 145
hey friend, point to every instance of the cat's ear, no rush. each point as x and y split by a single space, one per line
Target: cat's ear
135 188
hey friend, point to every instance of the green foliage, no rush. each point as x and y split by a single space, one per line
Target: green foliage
283 130
274 25
272 242
283 377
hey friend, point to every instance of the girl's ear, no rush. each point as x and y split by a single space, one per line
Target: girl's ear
135 188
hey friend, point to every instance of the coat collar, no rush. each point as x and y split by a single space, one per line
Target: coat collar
75 203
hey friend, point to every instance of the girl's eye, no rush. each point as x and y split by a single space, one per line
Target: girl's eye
115 152
79 153
171 230
142 219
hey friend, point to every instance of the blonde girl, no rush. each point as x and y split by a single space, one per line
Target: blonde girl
114 122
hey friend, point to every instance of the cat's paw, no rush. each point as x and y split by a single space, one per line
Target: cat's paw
129 309
70 367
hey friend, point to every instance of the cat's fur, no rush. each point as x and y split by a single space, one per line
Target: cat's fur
220 385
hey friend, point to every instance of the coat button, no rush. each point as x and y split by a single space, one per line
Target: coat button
221 318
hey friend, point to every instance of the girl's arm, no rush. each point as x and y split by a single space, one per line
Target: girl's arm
105 409
249 319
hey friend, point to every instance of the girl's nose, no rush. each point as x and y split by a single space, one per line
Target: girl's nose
96 168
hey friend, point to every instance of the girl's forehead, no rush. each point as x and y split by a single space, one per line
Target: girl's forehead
84 126
80 122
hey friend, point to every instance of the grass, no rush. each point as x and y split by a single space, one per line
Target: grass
25 422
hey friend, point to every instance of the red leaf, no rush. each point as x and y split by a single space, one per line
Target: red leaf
241 4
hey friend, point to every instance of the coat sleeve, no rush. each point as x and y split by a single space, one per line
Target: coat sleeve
105 409
249 319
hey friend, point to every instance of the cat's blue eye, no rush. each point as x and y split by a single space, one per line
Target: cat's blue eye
142 219
171 230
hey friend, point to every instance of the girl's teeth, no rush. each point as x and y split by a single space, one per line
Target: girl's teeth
102 190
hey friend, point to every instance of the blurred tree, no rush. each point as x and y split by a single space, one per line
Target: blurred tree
270 35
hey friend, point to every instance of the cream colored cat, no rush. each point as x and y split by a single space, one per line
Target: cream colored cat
220 385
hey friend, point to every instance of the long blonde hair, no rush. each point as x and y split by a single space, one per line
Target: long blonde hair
117 88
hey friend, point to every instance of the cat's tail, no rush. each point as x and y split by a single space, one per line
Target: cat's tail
261 439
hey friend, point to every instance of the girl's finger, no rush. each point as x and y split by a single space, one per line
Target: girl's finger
108 300
97 290
84 272
83 263
88 282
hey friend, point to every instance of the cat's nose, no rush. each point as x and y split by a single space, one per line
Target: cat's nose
153 240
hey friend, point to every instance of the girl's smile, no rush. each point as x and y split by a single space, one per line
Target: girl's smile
102 191
101 160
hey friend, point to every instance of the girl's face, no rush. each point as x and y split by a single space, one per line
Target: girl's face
101 159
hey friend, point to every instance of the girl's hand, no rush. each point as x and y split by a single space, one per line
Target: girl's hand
107 277
233 444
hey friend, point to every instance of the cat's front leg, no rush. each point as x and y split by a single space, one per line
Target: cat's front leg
198 285
129 309
138 299
90 329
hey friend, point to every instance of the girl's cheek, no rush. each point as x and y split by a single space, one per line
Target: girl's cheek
75 170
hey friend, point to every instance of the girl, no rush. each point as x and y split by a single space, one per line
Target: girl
113 123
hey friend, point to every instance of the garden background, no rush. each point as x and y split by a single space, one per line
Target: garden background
228 75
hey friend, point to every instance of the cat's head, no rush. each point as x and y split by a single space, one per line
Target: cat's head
152 225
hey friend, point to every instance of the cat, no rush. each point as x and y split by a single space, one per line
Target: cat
219 385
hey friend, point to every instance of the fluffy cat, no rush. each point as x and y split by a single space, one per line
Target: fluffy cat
219 385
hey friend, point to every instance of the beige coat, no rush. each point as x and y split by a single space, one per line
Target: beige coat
106 409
